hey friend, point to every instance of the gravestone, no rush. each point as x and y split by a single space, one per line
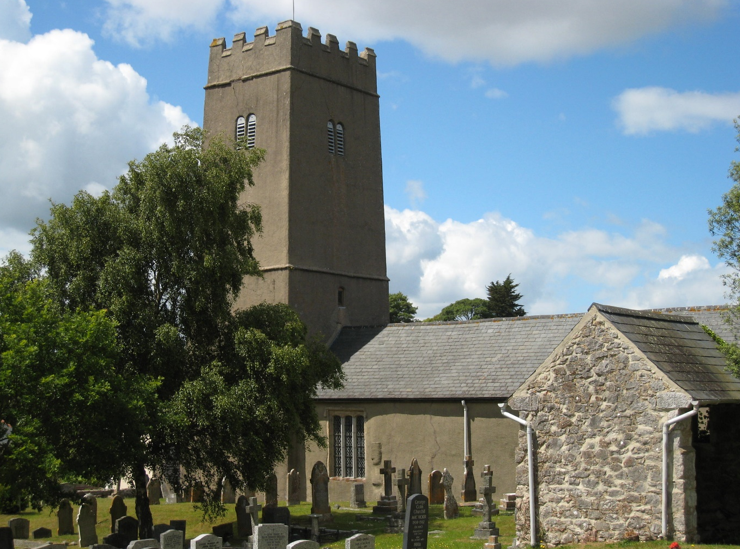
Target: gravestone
86 525
41 533
196 493
93 502
276 515
416 525
254 512
95 546
303 544
64 519
357 496
294 487
451 510
159 529
154 491
436 488
492 543
169 494
360 541
508 503
19 527
206 541
486 528
6 538
469 492
117 510
402 481
224 531
320 491
228 495
270 536
388 503
171 539
414 478
129 527
143 544
243 518
180 526
116 540
271 491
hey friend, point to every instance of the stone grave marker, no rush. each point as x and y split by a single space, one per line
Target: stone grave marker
116 540
402 481
64 519
243 518
486 528
159 529
169 495
451 509
254 512
357 496
303 544
196 493
143 544
294 487
508 503
320 490
206 541
117 510
270 536
129 527
171 539
19 527
271 491
469 493
388 503
414 478
224 531
492 543
436 488
6 538
154 491
181 526
276 515
93 502
96 546
228 494
360 541
416 524
41 533
86 525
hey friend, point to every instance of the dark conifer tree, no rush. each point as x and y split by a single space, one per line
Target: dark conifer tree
503 299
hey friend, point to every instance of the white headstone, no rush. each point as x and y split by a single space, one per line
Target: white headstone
303 544
86 526
360 541
270 536
206 541
143 544
171 539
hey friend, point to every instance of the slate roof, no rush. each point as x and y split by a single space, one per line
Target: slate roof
712 316
443 360
680 348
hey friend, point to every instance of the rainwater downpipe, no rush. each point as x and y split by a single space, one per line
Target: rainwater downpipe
666 451
530 462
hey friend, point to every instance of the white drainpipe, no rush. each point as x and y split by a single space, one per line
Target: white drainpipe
530 457
666 451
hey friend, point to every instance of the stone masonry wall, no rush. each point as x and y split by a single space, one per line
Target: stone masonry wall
597 414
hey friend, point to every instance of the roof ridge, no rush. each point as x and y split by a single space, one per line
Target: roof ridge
644 314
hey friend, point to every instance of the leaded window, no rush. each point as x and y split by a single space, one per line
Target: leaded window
348 446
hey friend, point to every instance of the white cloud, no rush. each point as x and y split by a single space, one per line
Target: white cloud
438 263
495 93
415 192
498 31
70 121
15 20
645 110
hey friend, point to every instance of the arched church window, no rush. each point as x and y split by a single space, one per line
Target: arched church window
251 130
241 127
340 139
330 136
348 445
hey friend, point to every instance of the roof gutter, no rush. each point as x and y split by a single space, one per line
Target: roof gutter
530 463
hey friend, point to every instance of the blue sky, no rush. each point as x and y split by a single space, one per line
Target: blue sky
576 145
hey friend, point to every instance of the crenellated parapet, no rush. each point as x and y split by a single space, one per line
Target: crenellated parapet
289 49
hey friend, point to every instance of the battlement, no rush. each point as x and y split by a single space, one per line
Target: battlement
289 49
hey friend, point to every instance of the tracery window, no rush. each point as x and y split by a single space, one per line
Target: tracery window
348 446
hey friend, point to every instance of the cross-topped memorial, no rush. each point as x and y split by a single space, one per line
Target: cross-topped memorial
486 528
388 503
402 481
254 511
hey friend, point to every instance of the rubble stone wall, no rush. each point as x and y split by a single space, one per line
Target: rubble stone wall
598 409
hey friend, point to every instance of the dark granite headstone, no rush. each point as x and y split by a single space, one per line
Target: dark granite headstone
40 533
416 525
414 478
64 517
181 526
6 538
117 510
243 519
320 490
19 526
224 531
129 527
116 540
159 529
276 515
271 491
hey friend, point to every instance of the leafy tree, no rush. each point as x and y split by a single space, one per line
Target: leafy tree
402 310
65 409
503 299
464 309
166 254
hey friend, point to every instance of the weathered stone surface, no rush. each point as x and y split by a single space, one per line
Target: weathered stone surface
416 523
294 487
41 533
271 491
414 478
154 491
360 541
129 527
64 519
206 541
276 515
91 500
228 494
116 540
143 544
86 525
243 518
451 509
180 525
270 536
159 529
171 539
303 544
436 488
357 496
19 527
320 490
224 531
117 510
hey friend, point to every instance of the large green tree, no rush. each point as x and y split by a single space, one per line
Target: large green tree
166 254
464 309
503 299
401 309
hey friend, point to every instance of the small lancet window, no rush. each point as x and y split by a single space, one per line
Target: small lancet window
340 139
241 127
330 136
340 297
251 130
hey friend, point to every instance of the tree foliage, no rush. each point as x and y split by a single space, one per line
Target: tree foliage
503 300
166 254
402 310
464 309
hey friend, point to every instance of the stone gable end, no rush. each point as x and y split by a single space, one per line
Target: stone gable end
598 442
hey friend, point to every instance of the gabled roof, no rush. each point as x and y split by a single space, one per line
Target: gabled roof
680 348
442 360
713 317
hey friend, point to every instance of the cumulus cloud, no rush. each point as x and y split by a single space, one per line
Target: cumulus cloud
495 93
498 31
439 263
15 20
70 121
415 192
646 110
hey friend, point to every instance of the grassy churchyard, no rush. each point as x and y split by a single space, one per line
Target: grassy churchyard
443 534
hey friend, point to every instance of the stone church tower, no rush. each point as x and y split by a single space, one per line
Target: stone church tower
315 110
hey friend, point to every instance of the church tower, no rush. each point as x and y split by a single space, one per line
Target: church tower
315 110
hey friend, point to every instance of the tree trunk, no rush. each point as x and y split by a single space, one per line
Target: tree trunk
143 513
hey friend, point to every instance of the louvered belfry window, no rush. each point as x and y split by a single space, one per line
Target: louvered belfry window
340 139
348 446
330 136
241 127
251 130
